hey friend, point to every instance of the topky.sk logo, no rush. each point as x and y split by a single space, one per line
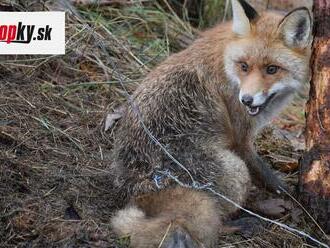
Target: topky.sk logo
23 33
32 32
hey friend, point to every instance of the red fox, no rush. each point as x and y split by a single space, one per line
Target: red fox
205 105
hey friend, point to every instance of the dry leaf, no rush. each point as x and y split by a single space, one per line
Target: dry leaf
273 207
111 119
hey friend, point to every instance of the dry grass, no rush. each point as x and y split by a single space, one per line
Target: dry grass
54 155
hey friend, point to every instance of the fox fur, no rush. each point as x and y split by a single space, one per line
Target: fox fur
192 103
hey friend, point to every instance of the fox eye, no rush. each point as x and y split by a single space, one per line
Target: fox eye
244 66
272 69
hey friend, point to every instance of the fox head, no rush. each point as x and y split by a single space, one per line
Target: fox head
268 56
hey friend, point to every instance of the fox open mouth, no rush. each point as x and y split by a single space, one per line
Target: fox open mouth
255 110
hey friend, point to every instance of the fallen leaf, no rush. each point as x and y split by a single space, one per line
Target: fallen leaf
111 119
273 207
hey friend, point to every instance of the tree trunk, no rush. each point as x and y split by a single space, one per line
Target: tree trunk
314 182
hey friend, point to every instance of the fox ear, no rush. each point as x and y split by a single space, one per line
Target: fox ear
243 14
296 28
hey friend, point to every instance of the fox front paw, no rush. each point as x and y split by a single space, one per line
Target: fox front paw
247 226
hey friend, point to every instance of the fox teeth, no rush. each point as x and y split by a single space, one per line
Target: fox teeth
253 110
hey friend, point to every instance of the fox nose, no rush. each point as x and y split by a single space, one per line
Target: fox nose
247 100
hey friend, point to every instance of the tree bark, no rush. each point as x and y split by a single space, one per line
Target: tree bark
314 183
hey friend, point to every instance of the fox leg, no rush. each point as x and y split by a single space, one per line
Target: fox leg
262 171
176 217
232 181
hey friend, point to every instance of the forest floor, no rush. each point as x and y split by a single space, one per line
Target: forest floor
54 152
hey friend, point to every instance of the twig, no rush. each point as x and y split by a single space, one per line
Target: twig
305 210
165 235
51 127
31 105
